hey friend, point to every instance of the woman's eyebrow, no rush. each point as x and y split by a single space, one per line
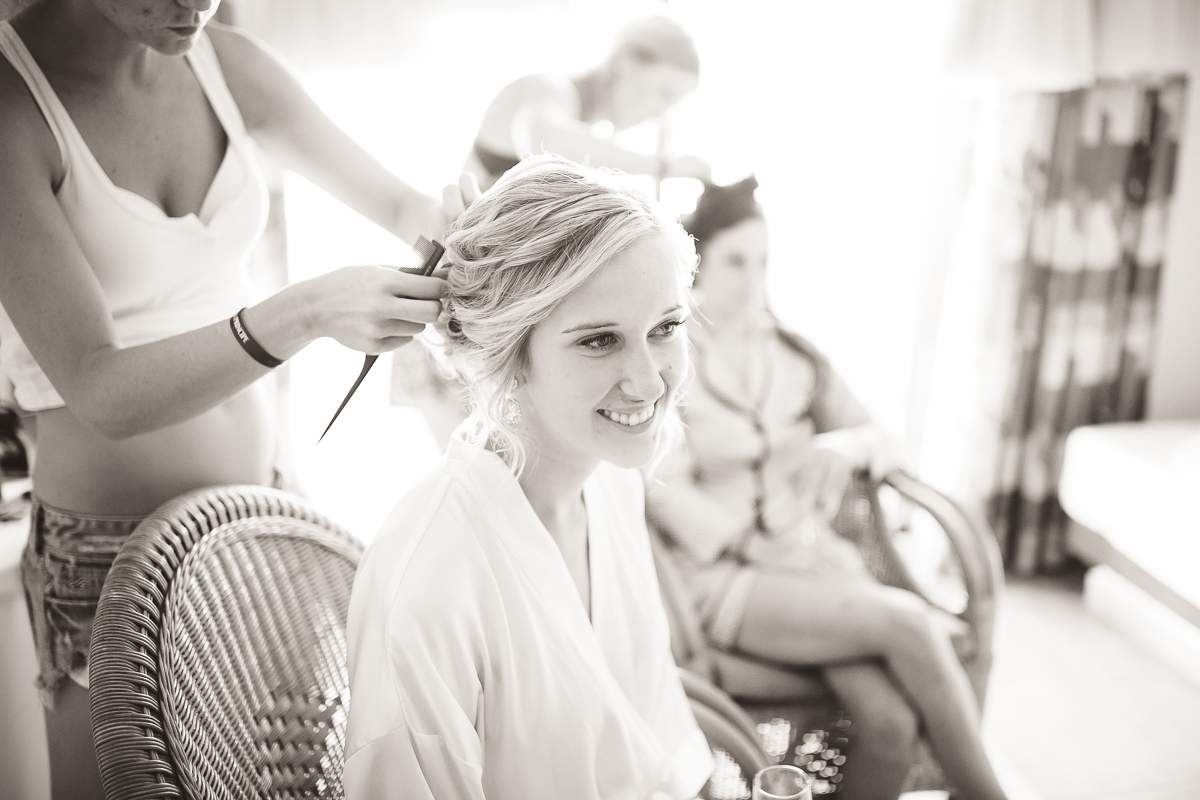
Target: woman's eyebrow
593 326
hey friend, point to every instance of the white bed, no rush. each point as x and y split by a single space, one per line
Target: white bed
1132 491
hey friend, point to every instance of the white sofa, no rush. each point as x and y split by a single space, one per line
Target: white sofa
1132 491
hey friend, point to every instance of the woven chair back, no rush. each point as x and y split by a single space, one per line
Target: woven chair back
218 662
860 519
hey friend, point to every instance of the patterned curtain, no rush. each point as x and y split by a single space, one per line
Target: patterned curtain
1098 179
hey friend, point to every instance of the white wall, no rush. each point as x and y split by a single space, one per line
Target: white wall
1174 391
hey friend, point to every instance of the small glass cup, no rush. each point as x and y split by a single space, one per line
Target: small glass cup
782 782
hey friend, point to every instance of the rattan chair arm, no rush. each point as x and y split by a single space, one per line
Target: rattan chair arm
974 547
979 557
126 715
700 690
689 645
723 734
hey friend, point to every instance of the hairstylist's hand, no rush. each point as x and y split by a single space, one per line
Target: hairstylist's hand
455 199
373 309
688 167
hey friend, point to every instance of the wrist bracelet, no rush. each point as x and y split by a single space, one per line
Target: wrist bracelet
248 343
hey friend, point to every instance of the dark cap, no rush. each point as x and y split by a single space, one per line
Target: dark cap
721 207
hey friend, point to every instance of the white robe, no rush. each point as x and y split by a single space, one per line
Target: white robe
475 671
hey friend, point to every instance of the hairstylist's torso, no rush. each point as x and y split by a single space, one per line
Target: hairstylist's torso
78 469
181 181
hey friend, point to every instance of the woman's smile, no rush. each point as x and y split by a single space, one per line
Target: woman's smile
637 421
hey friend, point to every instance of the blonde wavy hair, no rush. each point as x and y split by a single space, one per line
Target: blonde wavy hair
535 237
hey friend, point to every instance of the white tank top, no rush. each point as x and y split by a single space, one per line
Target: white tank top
160 275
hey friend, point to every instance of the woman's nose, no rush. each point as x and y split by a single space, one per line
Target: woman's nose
198 5
643 375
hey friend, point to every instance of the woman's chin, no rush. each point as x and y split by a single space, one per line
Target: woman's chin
632 455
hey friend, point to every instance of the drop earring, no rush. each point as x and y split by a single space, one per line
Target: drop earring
512 408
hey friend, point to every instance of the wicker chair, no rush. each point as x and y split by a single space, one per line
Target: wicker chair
791 708
218 660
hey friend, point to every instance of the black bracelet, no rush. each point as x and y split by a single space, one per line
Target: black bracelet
249 344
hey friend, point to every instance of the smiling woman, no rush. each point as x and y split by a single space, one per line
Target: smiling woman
506 635
518 262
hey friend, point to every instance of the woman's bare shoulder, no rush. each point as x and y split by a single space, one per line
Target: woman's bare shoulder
27 141
259 82
236 49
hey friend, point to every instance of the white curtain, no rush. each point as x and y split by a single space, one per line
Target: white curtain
1013 56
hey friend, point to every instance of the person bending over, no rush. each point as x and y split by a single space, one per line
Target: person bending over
653 65
506 635
130 200
773 437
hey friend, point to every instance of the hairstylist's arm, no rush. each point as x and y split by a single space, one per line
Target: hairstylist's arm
54 300
284 119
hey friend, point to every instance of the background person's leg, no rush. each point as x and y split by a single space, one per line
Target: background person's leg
810 622
883 734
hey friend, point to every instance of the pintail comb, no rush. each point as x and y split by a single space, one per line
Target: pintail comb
430 254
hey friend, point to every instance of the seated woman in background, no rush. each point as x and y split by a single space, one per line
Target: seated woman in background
506 635
773 437
653 65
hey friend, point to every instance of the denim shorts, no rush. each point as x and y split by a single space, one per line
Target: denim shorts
63 568
64 565
721 594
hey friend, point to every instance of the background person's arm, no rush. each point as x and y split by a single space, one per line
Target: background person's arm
547 121
843 424
699 523
847 440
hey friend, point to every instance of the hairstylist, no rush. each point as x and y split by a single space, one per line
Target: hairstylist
131 200
653 65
